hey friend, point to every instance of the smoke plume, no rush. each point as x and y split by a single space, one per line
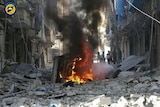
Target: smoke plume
71 26
93 9
73 32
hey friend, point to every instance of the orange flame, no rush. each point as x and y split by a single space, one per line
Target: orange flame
81 70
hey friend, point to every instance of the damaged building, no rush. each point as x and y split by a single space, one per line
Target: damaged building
133 30
69 37
33 30
25 33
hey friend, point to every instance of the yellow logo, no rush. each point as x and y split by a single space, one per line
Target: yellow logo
10 8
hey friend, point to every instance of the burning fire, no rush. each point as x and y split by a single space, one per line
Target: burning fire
81 67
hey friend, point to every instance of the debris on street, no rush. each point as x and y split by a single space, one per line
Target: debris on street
133 90
79 53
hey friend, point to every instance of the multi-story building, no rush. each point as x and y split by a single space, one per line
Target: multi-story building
26 32
134 32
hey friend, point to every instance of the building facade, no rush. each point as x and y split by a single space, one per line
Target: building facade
25 33
133 31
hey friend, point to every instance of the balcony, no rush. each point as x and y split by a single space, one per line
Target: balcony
23 15
22 19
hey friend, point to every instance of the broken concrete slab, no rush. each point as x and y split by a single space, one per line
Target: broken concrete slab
33 75
34 83
125 74
145 78
140 101
70 93
130 62
7 101
130 80
88 93
57 95
9 67
39 93
122 102
99 101
155 88
24 68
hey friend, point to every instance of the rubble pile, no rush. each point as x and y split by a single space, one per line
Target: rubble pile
138 90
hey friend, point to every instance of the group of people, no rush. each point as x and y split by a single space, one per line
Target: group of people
102 58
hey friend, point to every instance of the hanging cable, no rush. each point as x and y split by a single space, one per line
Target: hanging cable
143 12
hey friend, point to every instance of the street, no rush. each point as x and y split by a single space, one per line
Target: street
79 53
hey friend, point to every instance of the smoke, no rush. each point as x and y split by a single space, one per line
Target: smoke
52 13
92 5
71 26
102 71
93 18
71 29
73 32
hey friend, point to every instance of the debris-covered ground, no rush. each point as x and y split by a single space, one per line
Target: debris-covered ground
24 90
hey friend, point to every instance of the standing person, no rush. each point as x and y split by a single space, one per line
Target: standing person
42 61
36 59
98 56
109 57
103 57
